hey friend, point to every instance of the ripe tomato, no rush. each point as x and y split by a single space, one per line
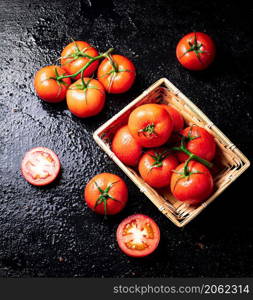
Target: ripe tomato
138 235
200 142
40 166
117 74
125 147
106 194
193 188
150 125
86 100
177 118
156 167
196 51
76 55
47 87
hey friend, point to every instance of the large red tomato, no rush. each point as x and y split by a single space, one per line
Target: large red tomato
156 167
116 73
125 147
138 235
194 187
86 100
106 194
47 87
150 125
76 55
196 51
200 142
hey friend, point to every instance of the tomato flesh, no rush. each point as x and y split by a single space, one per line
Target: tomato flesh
138 235
40 166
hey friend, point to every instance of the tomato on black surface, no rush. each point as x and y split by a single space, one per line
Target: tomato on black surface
40 166
47 87
106 194
138 235
76 55
196 51
116 73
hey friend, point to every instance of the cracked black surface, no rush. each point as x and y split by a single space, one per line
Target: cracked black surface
49 231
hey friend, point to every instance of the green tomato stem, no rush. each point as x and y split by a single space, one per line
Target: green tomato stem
103 55
192 156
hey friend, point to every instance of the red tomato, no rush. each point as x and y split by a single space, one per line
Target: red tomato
76 55
125 147
156 167
196 51
200 143
86 101
40 166
194 188
47 87
106 194
150 125
117 74
138 235
177 118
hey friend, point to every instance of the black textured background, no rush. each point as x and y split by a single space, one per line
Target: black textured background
49 231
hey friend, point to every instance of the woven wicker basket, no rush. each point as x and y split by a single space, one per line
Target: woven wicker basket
230 161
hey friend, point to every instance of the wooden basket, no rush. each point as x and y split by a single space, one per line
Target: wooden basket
230 160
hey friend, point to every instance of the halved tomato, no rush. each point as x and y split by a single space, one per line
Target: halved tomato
40 166
138 235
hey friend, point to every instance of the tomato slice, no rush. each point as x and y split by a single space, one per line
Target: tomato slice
40 166
138 235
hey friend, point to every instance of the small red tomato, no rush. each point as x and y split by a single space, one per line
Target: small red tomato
106 194
47 87
138 235
156 167
150 125
76 55
194 187
87 98
200 142
196 51
125 147
40 166
177 118
117 74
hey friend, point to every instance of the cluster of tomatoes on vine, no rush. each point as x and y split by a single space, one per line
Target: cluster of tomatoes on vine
154 141
86 95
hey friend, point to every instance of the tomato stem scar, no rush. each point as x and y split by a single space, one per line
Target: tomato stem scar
104 196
